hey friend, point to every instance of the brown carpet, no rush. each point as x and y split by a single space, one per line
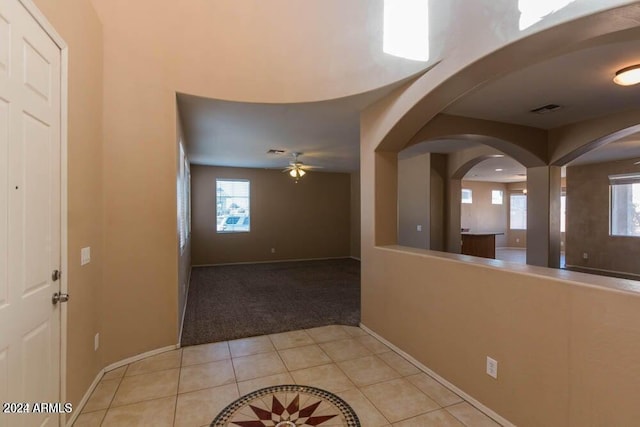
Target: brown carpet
238 301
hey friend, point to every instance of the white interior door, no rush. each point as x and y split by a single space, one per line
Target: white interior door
29 215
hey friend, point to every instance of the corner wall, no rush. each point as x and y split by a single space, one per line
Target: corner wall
588 220
78 24
482 215
414 200
310 219
355 215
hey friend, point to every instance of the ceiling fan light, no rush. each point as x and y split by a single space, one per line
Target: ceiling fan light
301 172
293 173
628 76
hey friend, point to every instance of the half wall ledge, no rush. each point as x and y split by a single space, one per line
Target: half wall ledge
625 286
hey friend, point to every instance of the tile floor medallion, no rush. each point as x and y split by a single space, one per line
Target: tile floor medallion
288 406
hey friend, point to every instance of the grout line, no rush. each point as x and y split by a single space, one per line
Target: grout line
175 406
114 394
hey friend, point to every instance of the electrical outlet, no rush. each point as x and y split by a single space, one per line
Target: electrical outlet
273 250
585 255
85 255
492 367
518 240
419 228
96 342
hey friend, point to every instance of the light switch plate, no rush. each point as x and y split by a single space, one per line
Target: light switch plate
492 367
85 255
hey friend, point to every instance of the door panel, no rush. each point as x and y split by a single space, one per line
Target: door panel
4 201
29 214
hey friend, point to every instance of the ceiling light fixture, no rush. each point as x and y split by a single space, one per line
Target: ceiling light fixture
297 173
628 76
524 191
499 170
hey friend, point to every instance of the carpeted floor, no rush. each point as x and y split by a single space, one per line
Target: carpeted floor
238 301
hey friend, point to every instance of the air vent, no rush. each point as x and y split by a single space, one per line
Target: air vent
545 109
273 151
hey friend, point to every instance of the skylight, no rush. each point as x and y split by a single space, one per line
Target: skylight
406 29
533 11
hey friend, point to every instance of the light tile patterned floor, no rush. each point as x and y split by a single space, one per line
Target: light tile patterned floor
190 386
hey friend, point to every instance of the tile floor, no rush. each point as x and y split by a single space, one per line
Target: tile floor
190 386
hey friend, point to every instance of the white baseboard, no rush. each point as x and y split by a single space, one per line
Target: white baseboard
78 409
271 261
487 411
141 356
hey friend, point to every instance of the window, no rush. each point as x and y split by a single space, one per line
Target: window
406 29
518 211
184 199
496 197
563 213
533 11
232 206
467 196
625 205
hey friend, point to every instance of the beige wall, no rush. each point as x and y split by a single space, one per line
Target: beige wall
414 188
567 353
355 215
310 219
588 220
77 23
438 202
305 51
482 215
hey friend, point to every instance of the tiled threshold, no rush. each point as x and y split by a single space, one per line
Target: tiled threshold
190 386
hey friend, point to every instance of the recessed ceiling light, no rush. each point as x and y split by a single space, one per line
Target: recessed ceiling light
499 170
496 155
275 151
628 76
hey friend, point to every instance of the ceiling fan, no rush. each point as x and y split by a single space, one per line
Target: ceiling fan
297 169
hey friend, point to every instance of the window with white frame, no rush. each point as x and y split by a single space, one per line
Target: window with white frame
496 197
233 206
563 213
184 198
467 196
517 211
625 205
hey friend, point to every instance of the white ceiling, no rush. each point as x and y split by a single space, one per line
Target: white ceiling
580 82
239 134
228 133
512 171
